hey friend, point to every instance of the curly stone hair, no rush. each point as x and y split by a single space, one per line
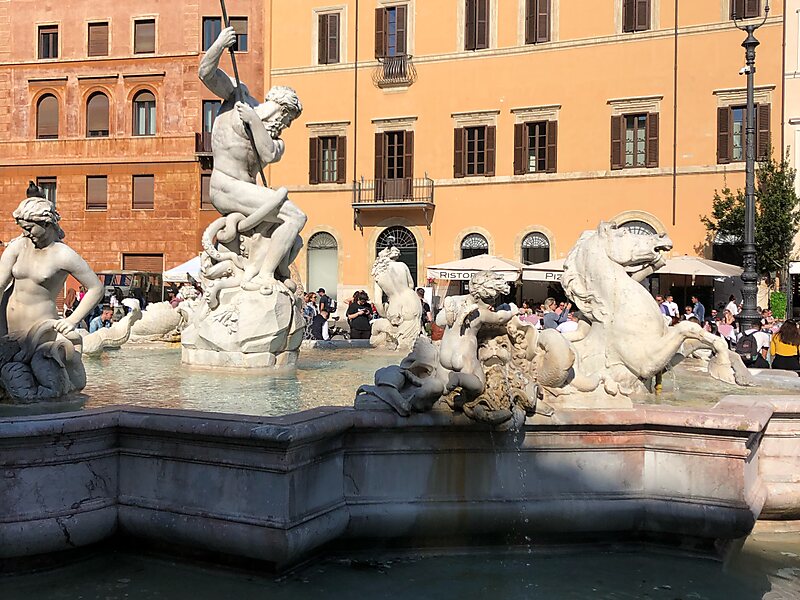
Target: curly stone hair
286 97
41 211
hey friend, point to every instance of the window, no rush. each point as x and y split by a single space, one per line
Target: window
47 117
635 15
144 113
537 21
638 227
327 159
476 24
394 165
147 263
328 39
474 244
745 9
143 192
48 41
239 25
634 141
391 27
535 249
535 147
97 115
98 39
144 36
402 239
48 184
210 111
474 150
323 263
96 193
731 138
205 192
212 26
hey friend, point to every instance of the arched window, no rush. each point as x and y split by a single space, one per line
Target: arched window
639 227
323 263
47 117
727 249
535 249
402 239
97 115
473 245
144 113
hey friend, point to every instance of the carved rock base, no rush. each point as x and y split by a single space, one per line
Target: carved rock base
589 401
239 360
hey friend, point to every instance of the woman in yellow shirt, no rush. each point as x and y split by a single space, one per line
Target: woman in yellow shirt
785 347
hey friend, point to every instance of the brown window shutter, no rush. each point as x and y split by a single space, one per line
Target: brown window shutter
520 139
205 191
97 113
144 37
333 38
470 11
737 9
313 160
97 193
651 145
482 25
628 15
458 152
380 167
552 146
530 21
408 155
98 39
380 32
143 191
543 21
147 263
402 27
47 117
763 141
617 141
752 8
322 41
491 140
642 16
341 159
724 140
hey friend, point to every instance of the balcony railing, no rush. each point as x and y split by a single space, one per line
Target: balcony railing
394 71
392 194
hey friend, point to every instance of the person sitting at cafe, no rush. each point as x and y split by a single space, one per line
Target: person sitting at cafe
319 325
104 319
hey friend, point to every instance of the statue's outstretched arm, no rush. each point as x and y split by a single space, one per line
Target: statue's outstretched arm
214 78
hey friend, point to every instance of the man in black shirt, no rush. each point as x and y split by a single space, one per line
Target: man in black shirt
324 300
319 325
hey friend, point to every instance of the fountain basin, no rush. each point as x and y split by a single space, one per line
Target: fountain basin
277 489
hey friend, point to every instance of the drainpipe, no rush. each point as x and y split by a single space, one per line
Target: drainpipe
355 105
675 123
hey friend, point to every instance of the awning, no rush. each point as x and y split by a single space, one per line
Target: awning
549 271
465 269
680 265
181 273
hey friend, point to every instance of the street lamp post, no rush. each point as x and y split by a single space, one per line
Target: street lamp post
749 317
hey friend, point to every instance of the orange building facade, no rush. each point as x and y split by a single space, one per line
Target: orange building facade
100 102
449 128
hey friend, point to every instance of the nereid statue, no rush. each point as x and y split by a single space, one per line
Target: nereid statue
496 369
38 355
401 315
251 316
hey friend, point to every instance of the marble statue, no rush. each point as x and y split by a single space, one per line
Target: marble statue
110 338
498 370
162 322
401 315
39 359
251 317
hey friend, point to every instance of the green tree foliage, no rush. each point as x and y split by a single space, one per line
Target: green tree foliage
777 215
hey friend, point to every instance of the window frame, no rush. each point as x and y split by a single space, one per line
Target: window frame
632 19
218 21
472 39
140 21
237 47
533 21
205 183
762 125
96 177
151 116
45 182
324 39
37 108
89 97
94 24
141 177
48 29
747 9
619 138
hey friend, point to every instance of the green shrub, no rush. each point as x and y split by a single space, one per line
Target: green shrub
777 304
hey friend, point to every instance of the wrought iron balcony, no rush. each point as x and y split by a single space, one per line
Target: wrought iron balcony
393 194
394 71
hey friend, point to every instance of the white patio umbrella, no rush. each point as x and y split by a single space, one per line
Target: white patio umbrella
549 271
698 267
466 268
181 273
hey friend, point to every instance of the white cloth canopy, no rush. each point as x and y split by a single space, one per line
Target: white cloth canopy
549 271
181 273
466 268
680 265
